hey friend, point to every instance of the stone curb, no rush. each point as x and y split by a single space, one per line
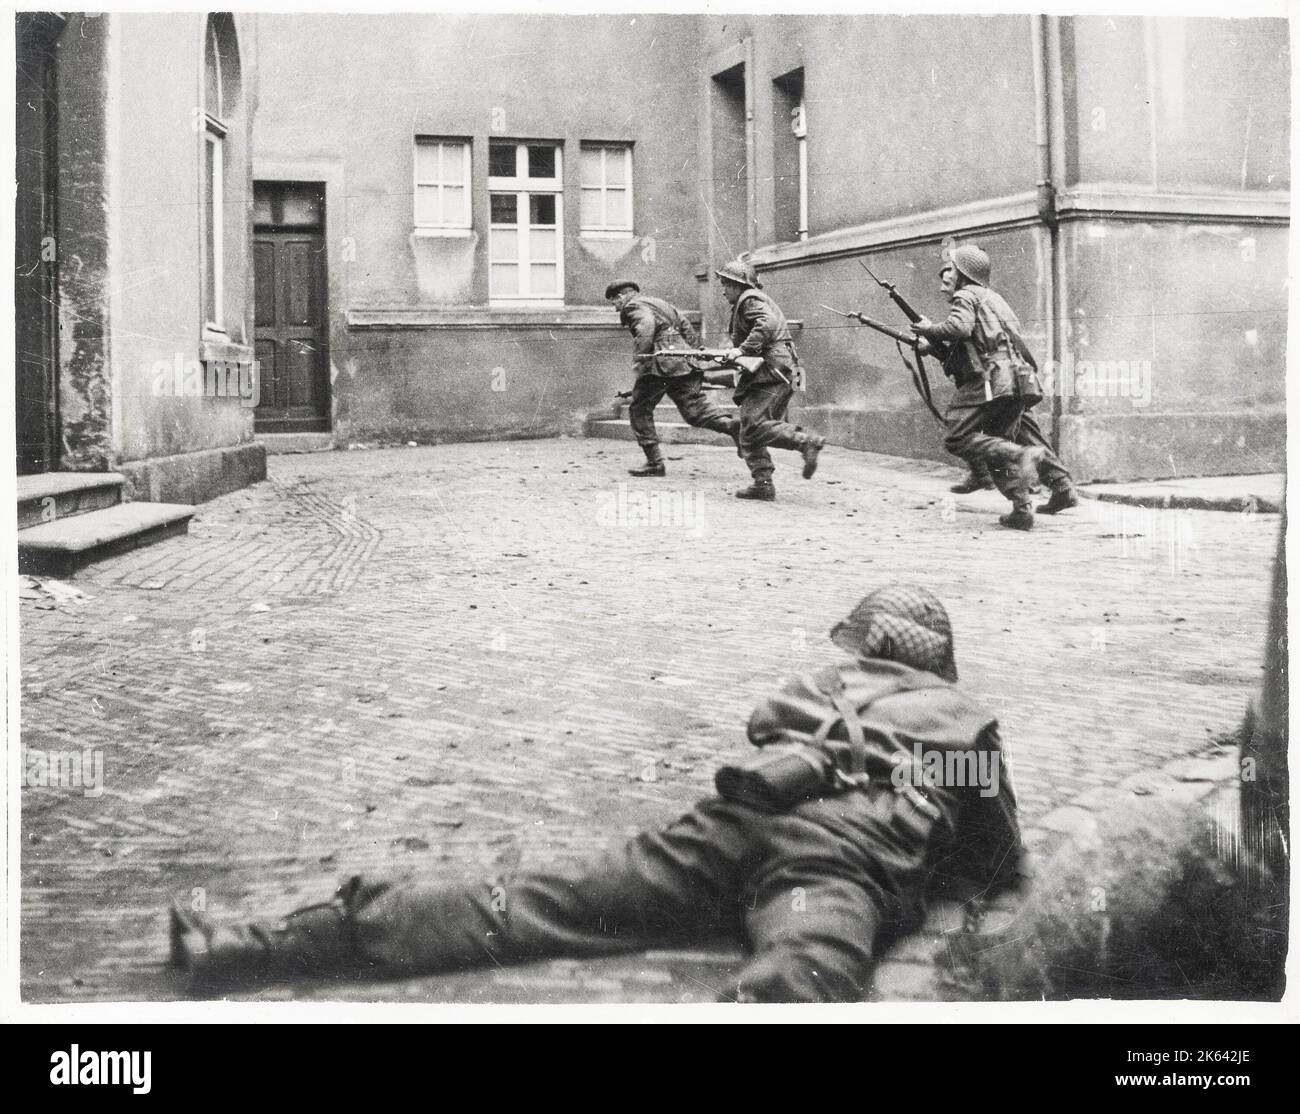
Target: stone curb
925 965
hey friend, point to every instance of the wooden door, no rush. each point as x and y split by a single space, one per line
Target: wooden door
291 312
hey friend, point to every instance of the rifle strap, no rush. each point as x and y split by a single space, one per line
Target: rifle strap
921 381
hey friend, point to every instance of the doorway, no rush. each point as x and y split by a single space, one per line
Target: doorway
291 307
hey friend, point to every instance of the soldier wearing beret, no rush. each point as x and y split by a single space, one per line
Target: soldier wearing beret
656 325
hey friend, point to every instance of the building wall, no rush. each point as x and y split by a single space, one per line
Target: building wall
341 100
129 266
156 215
1150 277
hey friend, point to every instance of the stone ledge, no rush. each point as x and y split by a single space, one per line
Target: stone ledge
487 317
194 477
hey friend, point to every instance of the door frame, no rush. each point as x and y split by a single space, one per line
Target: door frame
324 288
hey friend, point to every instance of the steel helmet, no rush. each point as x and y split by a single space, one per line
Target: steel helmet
973 262
903 623
740 272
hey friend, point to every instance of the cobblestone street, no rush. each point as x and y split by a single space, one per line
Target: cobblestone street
443 661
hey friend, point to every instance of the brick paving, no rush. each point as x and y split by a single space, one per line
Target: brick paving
445 661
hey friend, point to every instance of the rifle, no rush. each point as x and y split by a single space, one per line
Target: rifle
703 386
745 365
901 302
919 379
941 351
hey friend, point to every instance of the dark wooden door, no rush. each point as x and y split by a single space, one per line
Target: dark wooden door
36 247
291 323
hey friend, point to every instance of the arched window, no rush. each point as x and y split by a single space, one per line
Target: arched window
221 94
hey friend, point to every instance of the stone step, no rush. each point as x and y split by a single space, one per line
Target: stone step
278 444
667 412
61 547
670 433
50 496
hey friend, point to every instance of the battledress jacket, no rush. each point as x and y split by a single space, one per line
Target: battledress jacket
759 328
907 714
656 324
978 329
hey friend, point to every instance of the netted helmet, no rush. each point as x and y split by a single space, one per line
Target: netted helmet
739 272
972 262
903 623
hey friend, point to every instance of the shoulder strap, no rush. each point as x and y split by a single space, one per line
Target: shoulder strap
831 684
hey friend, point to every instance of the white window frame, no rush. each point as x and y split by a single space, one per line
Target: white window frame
442 228
523 187
214 136
605 230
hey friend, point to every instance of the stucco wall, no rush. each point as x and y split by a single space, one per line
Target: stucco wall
374 83
155 220
1179 103
1166 143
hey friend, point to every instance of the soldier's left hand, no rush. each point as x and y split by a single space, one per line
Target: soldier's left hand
734 353
924 323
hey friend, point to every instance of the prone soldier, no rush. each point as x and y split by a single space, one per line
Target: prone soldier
655 325
841 808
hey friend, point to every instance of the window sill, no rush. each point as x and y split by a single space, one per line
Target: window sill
218 346
443 233
520 315
594 234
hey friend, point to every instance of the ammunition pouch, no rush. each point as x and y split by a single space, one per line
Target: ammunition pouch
778 777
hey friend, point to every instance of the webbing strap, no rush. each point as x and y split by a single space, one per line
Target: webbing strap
834 688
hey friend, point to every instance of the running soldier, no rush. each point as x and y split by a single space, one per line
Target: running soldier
656 325
758 328
996 385
841 809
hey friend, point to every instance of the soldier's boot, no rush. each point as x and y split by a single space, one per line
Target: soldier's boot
1021 475
1062 499
316 940
979 478
1021 518
654 463
810 450
761 489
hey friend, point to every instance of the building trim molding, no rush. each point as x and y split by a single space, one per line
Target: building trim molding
483 317
1093 201
1102 201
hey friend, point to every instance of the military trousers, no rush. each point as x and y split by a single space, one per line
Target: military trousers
762 425
807 892
1028 433
985 436
688 395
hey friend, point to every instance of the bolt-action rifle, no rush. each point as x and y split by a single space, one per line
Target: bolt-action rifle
919 378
